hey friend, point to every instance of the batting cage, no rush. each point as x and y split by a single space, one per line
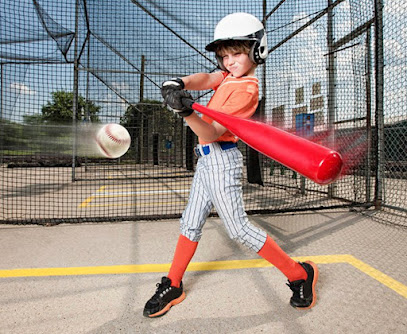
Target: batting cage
336 75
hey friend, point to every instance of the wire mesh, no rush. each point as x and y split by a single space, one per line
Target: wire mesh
318 82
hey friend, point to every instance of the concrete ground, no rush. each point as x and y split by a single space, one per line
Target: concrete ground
96 278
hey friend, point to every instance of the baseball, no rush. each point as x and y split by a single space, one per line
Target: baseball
113 140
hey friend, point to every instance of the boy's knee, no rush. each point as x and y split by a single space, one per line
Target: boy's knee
251 237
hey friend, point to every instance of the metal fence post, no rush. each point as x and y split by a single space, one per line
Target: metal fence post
75 92
379 116
368 113
331 83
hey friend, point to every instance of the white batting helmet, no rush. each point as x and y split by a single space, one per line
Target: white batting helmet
242 27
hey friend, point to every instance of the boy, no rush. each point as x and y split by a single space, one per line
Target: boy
239 44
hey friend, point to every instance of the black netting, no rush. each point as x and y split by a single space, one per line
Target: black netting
320 81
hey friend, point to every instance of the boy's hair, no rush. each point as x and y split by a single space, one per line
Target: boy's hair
234 46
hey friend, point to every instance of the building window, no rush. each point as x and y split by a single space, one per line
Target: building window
299 95
316 88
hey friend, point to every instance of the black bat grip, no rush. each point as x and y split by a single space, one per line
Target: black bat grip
188 102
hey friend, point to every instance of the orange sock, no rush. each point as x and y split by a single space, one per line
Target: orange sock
276 256
184 252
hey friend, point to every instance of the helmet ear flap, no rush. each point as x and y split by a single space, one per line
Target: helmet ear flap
255 54
258 52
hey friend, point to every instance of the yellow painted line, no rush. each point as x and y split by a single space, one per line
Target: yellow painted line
138 190
137 194
148 268
75 271
261 263
178 186
135 204
86 202
384 279
140 194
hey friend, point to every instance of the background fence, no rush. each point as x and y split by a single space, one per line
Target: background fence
336 73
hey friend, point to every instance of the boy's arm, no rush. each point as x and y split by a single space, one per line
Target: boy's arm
240 103
202 81
208 132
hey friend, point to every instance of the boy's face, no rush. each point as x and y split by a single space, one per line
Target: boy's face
238 63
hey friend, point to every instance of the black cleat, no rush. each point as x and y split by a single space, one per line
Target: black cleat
165 296
304 295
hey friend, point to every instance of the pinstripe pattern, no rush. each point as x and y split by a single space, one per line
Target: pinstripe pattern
217 183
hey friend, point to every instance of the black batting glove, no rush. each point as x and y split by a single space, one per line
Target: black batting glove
173 101
171 85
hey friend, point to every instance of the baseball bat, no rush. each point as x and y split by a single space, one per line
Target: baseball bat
316 162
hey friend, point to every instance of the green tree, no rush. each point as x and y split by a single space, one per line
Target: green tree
60 108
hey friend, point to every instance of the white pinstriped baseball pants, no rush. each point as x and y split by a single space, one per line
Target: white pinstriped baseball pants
217 183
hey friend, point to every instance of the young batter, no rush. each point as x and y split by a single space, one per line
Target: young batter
239 44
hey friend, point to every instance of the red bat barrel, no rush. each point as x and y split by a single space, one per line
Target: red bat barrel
316 162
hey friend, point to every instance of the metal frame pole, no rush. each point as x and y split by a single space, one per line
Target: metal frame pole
75 92
264 76
368 113
331 82
87 118
264 89
379 114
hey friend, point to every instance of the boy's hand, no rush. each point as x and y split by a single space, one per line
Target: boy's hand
173 101
171 85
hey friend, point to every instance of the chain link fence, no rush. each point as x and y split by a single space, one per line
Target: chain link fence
336 74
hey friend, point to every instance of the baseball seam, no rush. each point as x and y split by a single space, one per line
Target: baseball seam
103 148
112 137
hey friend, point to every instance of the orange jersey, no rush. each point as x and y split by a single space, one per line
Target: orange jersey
234 96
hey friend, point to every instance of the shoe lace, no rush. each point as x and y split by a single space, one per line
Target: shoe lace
297 288
161 288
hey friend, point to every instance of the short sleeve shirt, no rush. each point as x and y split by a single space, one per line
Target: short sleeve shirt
234 96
